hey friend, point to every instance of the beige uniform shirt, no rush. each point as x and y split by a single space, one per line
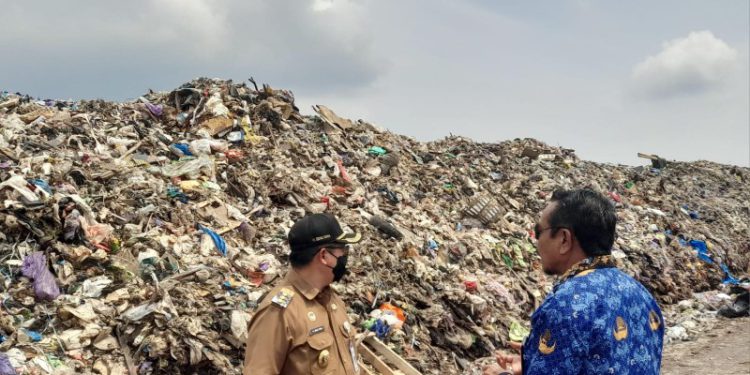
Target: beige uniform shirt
298 329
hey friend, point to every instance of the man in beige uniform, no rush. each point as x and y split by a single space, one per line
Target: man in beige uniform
301 326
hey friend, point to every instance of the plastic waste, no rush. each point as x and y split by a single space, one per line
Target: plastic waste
702 250
216 106
93 287
42 185
190 167
21 186
5 367
236 137
35 267
376 151
33 335
181 149
517 332
72 226
380 327
207 146
174 192
396 311
156 110
387 228
219 242
234 156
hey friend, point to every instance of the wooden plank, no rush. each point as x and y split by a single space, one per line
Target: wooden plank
373 359
364 369
647 156
391 356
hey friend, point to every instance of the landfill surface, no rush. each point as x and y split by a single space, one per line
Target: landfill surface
137 237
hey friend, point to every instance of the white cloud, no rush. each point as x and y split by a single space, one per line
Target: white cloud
694 64
322 5
105 48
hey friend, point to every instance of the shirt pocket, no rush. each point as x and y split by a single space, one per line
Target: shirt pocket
323 359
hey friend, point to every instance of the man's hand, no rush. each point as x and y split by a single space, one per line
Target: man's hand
492 369
510 362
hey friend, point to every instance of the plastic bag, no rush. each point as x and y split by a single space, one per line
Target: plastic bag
156 110
190 168
702 251
377 151
99 233
517 332
207 146
72 226
20 185
219 242
181 149
35 267
5 367
216 106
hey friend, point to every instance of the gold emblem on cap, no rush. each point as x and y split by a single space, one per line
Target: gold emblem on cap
311 316
323 358
621 329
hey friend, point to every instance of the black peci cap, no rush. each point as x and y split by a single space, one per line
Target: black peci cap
317 230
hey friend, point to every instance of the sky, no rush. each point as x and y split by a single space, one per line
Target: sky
606 78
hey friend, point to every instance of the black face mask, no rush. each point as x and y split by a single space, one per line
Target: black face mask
340 269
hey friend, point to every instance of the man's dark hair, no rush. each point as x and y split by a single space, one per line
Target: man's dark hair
589 215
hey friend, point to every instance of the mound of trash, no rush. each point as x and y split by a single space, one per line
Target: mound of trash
138 237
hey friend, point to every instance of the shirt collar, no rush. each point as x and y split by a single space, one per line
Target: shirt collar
296 280
600 261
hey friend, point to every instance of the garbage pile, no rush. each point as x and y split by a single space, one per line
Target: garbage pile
138 237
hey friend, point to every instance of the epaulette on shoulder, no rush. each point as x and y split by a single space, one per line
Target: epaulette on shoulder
283 297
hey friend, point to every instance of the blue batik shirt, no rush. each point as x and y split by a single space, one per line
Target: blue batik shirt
600 321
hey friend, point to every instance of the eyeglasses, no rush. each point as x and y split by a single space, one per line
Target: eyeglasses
538 230
346 249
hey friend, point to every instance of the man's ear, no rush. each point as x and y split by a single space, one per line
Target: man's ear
566 238
320 256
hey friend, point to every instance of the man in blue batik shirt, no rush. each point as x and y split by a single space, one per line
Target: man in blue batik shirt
597 319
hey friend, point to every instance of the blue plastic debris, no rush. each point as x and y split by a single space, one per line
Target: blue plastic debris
702 249
380 328
175 193
184 148
33 335
728 278
692 213
41 184
432 247
221 245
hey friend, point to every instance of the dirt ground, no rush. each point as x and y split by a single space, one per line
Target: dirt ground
724 350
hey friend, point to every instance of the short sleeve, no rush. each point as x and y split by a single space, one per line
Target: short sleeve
267 343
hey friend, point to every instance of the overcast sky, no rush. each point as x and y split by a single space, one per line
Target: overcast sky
607 78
